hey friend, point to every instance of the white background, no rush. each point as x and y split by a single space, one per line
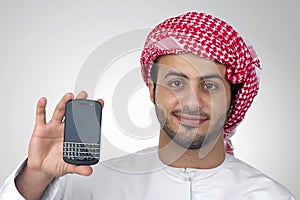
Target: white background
43 45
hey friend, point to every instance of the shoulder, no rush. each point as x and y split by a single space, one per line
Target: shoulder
259 185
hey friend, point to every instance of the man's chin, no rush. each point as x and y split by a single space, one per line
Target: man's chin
192 130
186 136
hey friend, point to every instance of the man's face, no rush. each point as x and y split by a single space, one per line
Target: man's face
192 98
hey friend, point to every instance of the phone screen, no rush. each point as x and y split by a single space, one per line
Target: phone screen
82 131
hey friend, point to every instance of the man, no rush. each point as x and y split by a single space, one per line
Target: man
202 79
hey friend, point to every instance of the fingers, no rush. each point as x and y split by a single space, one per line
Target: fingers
40 117
101 101
59 111
82 95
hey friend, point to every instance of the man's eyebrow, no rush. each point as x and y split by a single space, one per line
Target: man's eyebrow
173 73
211 76
202 78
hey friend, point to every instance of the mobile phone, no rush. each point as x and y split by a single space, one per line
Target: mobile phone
82 131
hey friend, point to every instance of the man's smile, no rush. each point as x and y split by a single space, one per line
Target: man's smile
190 120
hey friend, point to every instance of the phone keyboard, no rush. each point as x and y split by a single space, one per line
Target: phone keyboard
81 151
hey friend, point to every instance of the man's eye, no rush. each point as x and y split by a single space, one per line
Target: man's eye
176 84
210 86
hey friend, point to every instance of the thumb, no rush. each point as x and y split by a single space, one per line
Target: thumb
84 170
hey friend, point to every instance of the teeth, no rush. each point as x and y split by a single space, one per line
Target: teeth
190 120
191 117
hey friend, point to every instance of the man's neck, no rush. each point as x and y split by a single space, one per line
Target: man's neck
210 156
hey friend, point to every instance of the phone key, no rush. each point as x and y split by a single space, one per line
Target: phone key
79 158
81 151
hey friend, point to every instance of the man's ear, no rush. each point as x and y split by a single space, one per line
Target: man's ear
151 90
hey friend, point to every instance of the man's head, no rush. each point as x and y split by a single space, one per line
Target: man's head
192 99
206 37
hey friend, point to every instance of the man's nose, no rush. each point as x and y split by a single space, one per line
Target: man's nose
192 98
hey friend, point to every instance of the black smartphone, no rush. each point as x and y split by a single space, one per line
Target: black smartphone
82 132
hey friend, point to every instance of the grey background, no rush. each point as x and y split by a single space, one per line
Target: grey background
43 45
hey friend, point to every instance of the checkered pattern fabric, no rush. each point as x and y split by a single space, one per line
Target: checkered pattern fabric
212 38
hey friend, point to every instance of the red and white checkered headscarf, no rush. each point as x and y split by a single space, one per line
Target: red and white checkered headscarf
212 38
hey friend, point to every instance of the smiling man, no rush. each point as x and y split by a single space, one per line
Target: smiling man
192 99
202 78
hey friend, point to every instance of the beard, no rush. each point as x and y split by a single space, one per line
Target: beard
190 138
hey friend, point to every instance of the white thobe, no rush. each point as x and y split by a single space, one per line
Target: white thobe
142 176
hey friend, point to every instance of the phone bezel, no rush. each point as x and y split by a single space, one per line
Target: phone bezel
80 161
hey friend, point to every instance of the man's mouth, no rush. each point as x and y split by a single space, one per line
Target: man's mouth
190 120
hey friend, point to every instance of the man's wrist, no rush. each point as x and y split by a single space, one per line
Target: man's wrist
31 183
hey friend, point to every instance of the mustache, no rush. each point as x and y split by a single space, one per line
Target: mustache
191 112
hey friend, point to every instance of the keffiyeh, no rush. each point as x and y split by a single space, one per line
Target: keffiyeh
214 39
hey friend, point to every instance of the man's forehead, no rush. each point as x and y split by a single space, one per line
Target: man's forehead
190 64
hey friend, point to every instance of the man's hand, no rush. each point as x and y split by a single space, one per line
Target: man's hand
45 155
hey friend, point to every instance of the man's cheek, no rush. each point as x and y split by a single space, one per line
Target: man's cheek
219 106
168 97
